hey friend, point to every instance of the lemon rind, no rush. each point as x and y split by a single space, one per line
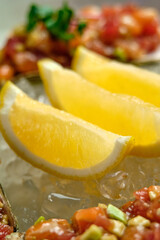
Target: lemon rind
122 146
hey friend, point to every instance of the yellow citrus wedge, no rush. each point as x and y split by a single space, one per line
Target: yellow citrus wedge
56 141
117 77
121 114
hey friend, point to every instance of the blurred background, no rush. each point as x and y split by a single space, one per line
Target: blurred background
13 12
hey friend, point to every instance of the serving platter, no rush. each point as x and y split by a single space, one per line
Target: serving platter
32 192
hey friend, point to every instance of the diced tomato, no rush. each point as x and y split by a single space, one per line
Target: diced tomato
130 47
57 229
129 8
127 207
62 59
104 222
111 12
84 218
59 47
110 30
142 233
90 13
5 230
149 43
12 45
25 61
129 26
133 233
99 47
138 207
156 232
150 28
6 72
142 194
143 205
145 15
153 212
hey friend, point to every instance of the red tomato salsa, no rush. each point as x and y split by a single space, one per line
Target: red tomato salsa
5 228
136 220
123 32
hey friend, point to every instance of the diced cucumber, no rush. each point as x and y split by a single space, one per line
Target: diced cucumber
116 213
92 233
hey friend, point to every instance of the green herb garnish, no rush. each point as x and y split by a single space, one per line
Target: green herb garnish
81 27
57 22
39 220
36 14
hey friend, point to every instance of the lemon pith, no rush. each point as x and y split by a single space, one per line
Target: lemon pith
56 141
117 77
121 114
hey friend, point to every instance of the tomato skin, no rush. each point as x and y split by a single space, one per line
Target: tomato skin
110 30
151 28
5 230
84 218
133 233
145 15
6 72
156 231
129 26
153 212
129 8
143 205
11 45
138 207
149 43
141 233
57 229
142 194
25 61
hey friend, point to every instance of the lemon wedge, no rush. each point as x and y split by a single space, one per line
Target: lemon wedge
56 141
117 77
121 114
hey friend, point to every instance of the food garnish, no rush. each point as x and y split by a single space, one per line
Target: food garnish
128 33
56 22
137 219
117 77
142 221
56 141
39 220
118 113
8 222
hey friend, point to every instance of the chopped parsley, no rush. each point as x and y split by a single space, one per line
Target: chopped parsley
81 27
57 22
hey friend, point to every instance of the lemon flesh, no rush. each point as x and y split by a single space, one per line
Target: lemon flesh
56 141
121 114
117 77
